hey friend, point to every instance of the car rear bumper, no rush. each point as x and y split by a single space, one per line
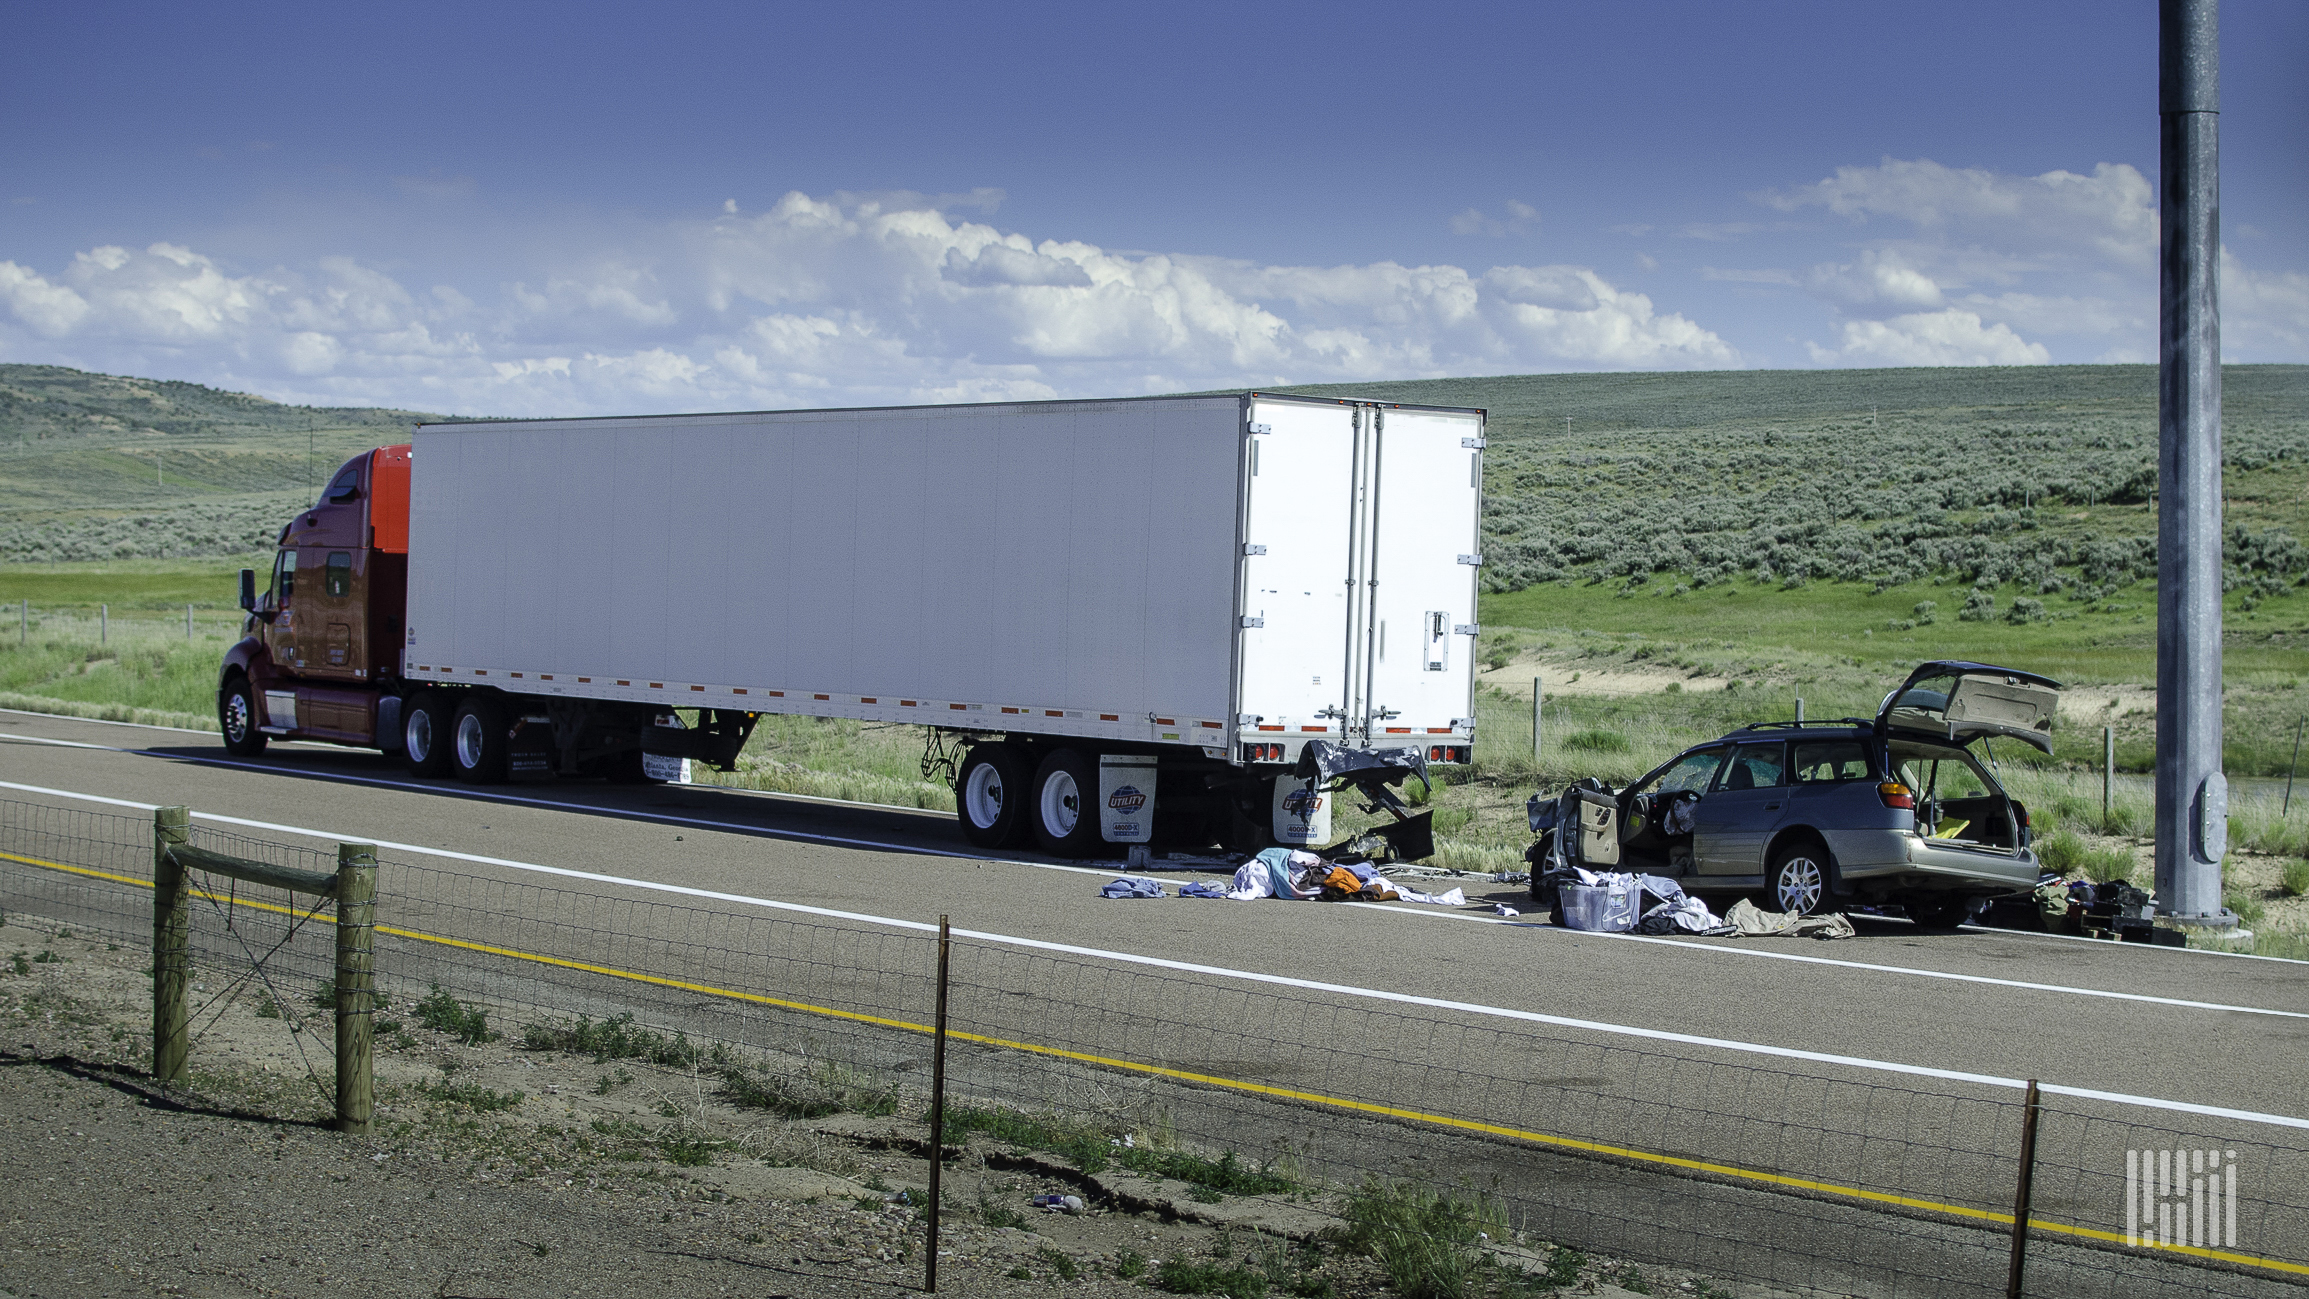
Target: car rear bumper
1899 860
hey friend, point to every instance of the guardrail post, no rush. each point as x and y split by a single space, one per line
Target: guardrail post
2020 1199
937 1115
171 947
356 985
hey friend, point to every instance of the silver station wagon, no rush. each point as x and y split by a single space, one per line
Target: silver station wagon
1809 816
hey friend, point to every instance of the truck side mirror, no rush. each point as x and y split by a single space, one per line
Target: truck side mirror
249 589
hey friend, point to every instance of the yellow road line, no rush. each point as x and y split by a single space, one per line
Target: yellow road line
1261 1089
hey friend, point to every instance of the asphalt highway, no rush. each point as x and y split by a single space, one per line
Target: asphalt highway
2193 1030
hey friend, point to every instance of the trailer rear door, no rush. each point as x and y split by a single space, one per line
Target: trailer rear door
1423 554
1298 531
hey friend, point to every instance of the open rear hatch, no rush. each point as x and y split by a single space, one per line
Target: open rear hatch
1962 702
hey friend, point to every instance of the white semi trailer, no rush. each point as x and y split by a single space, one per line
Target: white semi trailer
1123 620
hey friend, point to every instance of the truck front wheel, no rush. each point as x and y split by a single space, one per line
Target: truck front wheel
478 745
1065 807
425 723
236 709
990 796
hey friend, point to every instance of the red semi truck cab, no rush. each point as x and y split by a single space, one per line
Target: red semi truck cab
320 655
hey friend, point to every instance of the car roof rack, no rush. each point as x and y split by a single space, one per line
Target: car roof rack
1807 723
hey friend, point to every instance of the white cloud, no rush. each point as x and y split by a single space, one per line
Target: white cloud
825 301
1950 337
2113 210
1521 218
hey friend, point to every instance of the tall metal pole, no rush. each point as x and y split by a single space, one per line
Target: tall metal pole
2192 793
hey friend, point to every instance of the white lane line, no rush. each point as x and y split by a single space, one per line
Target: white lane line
1251 976
100 721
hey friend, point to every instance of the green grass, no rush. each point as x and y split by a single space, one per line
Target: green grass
614 1038
462 1020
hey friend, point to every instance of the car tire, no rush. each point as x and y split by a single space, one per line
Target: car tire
236 715
1799 879
1064 809
425 726
1938 910
479 749
990 796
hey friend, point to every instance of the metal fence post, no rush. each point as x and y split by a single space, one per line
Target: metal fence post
1799 710
188 622
171 947
2108 774
2293 766
2012 1276
937 1114
1537 695
104 624
24 624
356 985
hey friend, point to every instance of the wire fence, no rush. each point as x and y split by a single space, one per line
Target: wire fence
1812 1180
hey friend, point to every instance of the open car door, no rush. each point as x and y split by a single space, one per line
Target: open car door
1962 702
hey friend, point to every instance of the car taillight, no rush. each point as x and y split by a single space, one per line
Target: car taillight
1896 794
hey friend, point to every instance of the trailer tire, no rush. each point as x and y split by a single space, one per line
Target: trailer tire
425 726
479 749
236 714
1064 808
990 796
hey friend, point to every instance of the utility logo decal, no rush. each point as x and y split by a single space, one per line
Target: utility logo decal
1303 803
1126 798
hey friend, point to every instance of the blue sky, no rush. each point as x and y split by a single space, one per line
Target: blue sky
615 208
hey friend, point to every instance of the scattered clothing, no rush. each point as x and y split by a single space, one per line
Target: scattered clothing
1681 814
1686 915
1129 888
1455 898
1201 889
1753 921
1501 908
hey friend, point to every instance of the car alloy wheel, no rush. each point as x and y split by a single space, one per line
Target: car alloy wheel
1799 885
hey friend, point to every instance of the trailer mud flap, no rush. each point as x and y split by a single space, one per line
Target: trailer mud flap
719 736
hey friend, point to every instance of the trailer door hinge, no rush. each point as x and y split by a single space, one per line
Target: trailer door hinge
1243 720
1250 621
1262 428
1467 629
1463 723
1474 444
1249 549
1475 561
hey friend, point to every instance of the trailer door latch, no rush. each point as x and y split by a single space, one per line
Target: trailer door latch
1250 549
1473 561
1262 428
1467 629
1474 444
1251 621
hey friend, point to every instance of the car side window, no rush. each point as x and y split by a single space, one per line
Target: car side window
338 580
285 576
1824 761
1690 772
1755 766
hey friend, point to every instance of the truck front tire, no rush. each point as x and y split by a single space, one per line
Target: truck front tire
425 723
236 713
1064 809
990 796
479 748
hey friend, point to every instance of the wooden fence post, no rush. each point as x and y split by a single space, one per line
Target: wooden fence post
356 985
171 947
937 1116
2021 1196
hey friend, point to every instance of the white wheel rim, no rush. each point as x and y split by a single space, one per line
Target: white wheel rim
982 796
469 741
236 717
1061 804
417 736
1799 884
